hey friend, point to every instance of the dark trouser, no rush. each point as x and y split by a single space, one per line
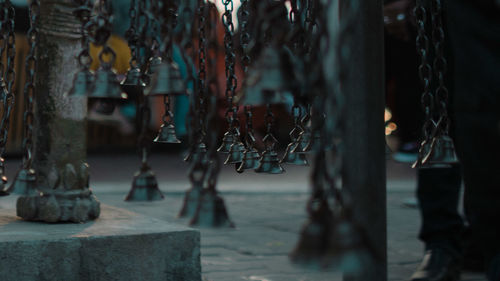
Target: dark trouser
474 33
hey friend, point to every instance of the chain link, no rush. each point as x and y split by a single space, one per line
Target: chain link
214 167
440 64
29 88
132 35
231 80
425 71
8 77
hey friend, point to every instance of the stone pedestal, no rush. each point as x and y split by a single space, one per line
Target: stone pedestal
120 245
59 156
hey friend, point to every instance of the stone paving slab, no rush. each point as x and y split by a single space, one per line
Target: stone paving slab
268 212
120 245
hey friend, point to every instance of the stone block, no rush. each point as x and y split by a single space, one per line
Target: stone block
120 245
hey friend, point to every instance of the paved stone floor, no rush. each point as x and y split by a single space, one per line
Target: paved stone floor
268 212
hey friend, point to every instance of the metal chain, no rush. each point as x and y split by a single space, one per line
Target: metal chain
246 60
29 88
269 140
425 74
83 12
132 34
214 167
231 82
440 65
202 72
167 117
10 76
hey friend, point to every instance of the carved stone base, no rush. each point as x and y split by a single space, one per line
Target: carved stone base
70 206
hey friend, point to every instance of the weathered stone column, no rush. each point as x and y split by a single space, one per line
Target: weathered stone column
59 157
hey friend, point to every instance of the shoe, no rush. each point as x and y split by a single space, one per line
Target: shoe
437 265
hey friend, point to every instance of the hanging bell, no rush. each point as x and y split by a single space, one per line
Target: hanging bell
294 158
351 246
303 142
441 153
200 151
166 80
211 211
167 134
250 160
235 153
269 81
144 186
82 83
269 163
312 250
133 84
227 141
24 183
191 200
106 85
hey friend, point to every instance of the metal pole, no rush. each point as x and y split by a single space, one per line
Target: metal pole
59 157
364 163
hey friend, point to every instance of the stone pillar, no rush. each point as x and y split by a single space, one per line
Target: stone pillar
59 157
364 172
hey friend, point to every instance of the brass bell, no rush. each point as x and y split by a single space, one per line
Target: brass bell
144 186
166 80
191 200
294 158
235 153
268 82
211 211
351 247
250 160
269 163
227 141
200 151
82 83
303 142
441 154
133 84
312 250
167 134
106 86
24 183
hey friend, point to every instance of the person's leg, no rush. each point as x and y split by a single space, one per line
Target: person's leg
438 192
474 29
